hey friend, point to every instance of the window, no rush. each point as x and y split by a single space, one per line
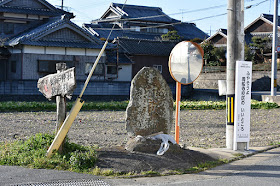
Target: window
157 30
158 67
50 66
13 66
112 70
163 30
99 70
152 30
135 28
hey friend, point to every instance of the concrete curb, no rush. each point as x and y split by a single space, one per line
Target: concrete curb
231 155
244 159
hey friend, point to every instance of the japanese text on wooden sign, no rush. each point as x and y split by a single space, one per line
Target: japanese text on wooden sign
62 83
242 101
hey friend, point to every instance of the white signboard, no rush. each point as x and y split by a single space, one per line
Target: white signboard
242 102
62 83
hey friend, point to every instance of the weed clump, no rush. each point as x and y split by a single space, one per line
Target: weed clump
32 153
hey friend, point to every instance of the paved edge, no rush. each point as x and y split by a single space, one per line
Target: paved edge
245 158
230 155
25 175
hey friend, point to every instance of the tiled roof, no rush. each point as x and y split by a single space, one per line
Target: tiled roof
20 10
222 30
63 44
49 11
189 31
103 32
146 47
135 11
33 36
112 57
270 18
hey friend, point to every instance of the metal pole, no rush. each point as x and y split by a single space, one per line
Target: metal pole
274 52
235 52
177 115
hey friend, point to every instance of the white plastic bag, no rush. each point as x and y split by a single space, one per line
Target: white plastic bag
164 145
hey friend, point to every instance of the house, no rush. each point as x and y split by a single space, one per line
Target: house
35 36
147 53
141 22
137 33
219 39
260 27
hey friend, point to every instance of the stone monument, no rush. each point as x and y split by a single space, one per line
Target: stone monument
150 109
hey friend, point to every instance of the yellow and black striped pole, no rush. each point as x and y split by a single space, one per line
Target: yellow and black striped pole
230 109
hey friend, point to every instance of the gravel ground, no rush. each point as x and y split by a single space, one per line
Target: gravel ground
199 128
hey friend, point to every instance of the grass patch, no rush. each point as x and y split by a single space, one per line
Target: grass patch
150 173
204 166
32 153
12 106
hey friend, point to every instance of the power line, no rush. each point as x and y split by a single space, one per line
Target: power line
257 4
163 25
166 15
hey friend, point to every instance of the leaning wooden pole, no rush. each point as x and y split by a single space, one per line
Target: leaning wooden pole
60 136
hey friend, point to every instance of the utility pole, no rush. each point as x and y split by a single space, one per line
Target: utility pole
61 4
235 52
274 51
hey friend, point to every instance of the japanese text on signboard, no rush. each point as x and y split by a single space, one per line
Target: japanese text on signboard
62 83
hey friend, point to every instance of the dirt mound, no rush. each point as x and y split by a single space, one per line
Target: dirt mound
120 160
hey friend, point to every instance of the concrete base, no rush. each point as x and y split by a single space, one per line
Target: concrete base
271 99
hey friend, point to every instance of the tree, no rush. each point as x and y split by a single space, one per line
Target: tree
213 56
197 40
208 47
220 54
171 35
260 46
248 53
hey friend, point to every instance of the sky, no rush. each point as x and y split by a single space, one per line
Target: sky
206 14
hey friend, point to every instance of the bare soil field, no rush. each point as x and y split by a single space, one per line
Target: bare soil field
199 128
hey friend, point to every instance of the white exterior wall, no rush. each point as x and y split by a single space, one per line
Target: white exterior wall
55 50
15 50
59 51
75 51
15 15
33 16
93 52
125 73
34 49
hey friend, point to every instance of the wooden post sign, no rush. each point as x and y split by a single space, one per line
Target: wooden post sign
59 84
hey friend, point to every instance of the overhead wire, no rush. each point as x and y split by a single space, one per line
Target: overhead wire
171 24
165 15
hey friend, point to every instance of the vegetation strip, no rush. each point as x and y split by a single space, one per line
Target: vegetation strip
31 153
12 106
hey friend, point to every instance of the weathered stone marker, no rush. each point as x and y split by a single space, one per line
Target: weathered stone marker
150 109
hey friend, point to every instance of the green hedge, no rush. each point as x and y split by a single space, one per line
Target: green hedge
11 106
